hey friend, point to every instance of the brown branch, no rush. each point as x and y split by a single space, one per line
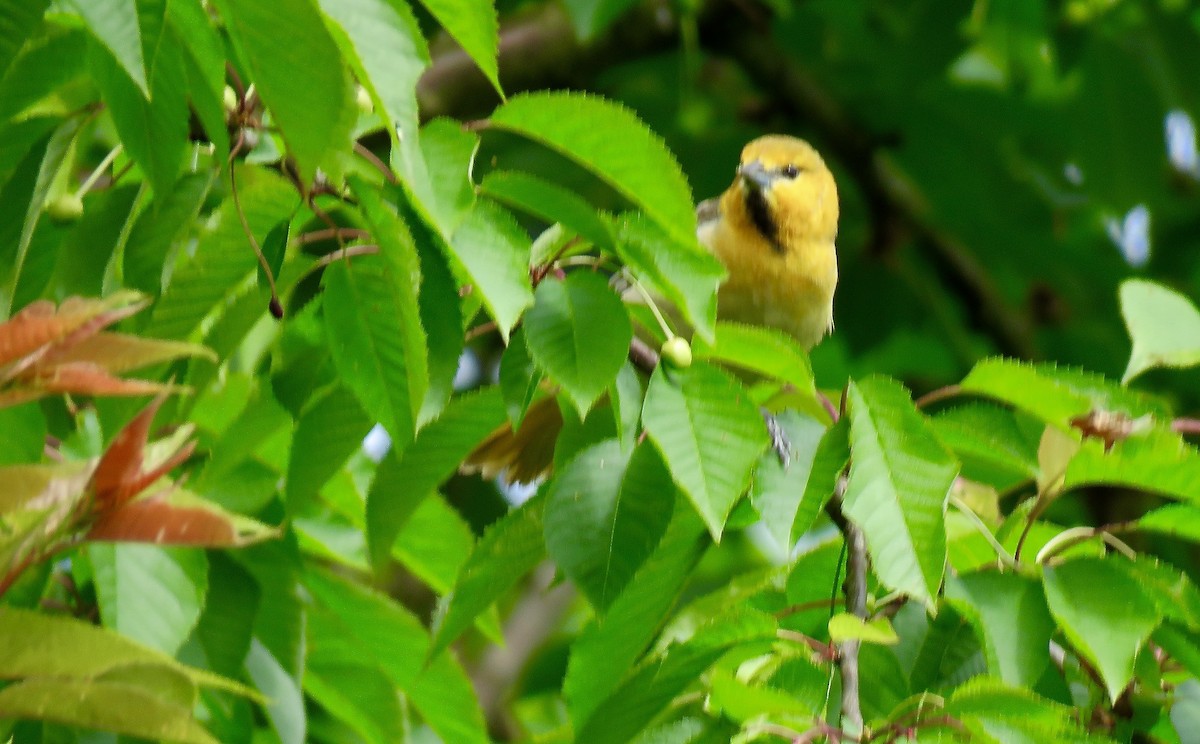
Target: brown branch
642 356
327 233
1186 426
855 590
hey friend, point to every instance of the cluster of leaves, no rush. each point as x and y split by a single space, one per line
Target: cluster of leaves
318 261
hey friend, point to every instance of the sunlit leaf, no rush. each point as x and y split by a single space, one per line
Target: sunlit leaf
605 651
710 435
1164 326
473 24
846 627
508 550
1105 614
608 140
900 478
579 333
605 513
1010 615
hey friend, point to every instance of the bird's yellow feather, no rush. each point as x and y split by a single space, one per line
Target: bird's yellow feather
774 232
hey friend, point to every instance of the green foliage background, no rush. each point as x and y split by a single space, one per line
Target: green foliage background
1019 190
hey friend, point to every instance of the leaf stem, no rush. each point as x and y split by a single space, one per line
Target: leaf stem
938 395
99 170
1005 557
237 206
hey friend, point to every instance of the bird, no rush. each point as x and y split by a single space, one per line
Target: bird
774 231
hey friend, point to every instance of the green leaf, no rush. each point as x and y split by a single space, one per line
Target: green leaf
353 624
434 543
19 21
1158 461
123 707
29 187
328 431
88 248
494 253
227 623
1010 617
1171 590
610 141
508 550
900 478
34 644
473 25
360 696
605 651
387 53
22 434
519 377
407 478
994 711
1163 324
377 342
766 351
114 23
688 276
605 513
655 683
441 309
297 71
1178 520
780 495
993 443
285 702
159 227
579 333
829 462
1054 394
449 151
154 133
549 202
204 63
846 627
223 255
151 594
741 701
1105 614
709 434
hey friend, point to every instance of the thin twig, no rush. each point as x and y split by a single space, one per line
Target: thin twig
1186 426
330 233
276 309
856 604
374 160
366 249
937 396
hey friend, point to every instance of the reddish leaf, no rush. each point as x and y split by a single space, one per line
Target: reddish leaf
39 325
121 464
119 352
83 378
160 521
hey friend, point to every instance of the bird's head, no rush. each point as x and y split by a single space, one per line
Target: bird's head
784 191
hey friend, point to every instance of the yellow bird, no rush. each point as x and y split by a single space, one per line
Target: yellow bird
774 230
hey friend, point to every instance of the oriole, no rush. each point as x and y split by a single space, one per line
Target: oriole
774 230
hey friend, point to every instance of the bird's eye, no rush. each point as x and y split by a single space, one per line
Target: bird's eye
791 171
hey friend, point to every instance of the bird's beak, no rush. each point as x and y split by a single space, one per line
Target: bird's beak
755 176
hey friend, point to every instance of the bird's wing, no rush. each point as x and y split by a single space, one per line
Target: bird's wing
708 211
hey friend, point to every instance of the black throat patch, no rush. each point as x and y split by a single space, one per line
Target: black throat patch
760 215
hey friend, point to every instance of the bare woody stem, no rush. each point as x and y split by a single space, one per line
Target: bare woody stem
855 590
